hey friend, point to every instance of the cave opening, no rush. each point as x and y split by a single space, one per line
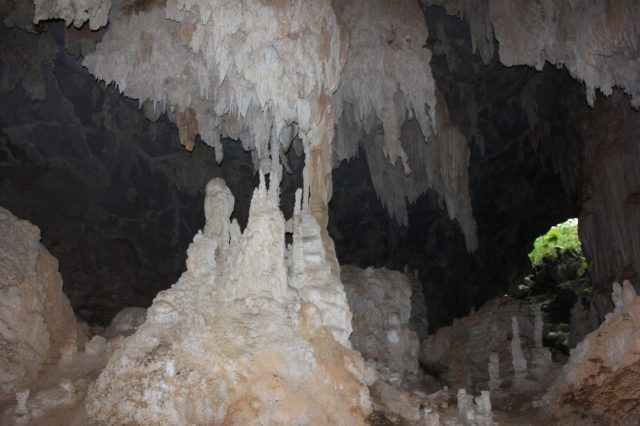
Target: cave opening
557 283
303 212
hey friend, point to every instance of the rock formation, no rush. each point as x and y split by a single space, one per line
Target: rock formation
517 357
37 321
492 349
611 212
380 300
600 381
258 331
387 103
595 40
251 333
74 12
346 65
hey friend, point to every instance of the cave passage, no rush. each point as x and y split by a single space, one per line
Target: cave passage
336 212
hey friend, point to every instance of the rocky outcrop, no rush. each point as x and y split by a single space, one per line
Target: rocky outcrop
600 381
243 336
37 320
497 348
380 300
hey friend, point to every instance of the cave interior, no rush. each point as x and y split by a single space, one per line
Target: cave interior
373 176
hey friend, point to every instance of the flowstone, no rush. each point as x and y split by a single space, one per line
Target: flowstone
243 337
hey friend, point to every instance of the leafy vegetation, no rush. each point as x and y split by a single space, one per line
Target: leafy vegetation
557 280
560 242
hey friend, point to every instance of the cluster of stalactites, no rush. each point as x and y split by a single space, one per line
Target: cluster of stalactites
245 70
387 77
388 104
75 12
595 40
441 165
333 73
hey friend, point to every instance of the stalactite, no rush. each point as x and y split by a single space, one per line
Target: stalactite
477 13
596 41
265 73
75 12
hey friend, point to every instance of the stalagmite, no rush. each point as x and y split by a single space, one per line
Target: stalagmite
475 411
537 328
251 333
463 350
517 357
494 371
419 321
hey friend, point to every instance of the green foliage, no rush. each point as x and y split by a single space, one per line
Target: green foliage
560 242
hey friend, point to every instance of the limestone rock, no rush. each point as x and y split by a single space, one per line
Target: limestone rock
312 276
380 300
387 76
388 103
609 215
37 319
419 321
475 411
17 13
596 41
477 351
126 322
601 377
272 71
245 71
477 13
233 341
25 67
583 322
75 12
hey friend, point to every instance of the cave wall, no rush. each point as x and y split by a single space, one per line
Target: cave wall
610 217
